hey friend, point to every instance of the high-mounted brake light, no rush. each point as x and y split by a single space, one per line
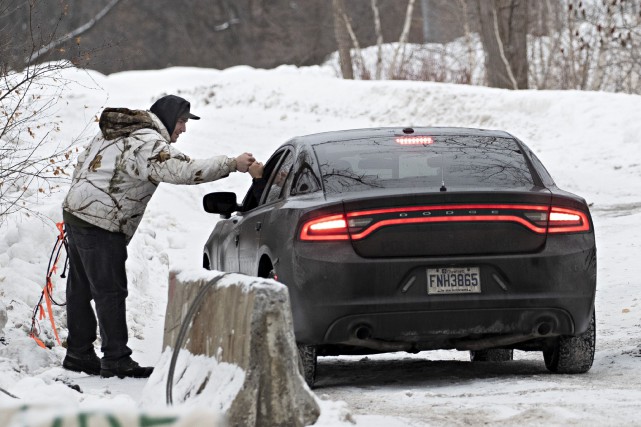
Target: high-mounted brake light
332 227
563 220
414 140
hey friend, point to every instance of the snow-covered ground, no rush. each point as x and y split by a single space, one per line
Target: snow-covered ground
589 141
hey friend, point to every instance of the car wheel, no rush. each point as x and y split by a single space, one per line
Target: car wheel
492 355
572 354
308 360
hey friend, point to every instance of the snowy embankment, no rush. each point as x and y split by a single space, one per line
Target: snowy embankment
589 142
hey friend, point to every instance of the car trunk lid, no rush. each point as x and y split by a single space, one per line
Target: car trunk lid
445 224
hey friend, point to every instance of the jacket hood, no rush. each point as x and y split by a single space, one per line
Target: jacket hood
118 122
169 109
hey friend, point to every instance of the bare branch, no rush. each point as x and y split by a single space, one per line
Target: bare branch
356 45
499 41
31 161
469 44
404 35
379 40
78 31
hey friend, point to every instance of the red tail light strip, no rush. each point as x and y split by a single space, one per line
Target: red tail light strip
447 207
471 218
335 227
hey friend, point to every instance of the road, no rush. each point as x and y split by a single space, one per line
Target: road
444 388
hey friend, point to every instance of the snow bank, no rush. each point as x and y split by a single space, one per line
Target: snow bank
588 140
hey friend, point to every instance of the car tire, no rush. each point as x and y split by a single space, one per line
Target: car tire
572 354
492 355
308 361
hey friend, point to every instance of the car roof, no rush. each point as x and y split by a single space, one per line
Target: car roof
348 134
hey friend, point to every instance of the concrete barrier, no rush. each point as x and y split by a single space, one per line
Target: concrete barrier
246 322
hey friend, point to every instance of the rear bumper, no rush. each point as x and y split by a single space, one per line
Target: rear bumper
344 299
459 329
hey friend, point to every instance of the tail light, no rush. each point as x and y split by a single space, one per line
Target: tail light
360 224
563 220
332 227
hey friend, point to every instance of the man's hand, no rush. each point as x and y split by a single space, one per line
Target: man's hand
244 161
256 170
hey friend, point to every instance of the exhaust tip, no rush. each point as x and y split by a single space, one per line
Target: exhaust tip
544 328
363 333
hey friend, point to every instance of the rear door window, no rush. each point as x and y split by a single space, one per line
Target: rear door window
305 181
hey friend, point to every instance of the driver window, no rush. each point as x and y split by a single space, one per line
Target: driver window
253 196
278 179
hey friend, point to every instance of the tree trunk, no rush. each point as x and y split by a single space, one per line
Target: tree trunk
379 40
469 42
342 39
426 20
358 54
503 25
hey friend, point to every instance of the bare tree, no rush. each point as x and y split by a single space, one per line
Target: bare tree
545 43
590 46
400 49
70 35
342 38
358 55
31 163
379 40
503 26
469 43
426 20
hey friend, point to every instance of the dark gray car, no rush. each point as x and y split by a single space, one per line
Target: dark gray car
415 239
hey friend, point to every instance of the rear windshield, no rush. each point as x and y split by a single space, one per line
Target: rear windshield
456 161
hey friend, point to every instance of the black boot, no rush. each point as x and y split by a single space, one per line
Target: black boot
124 367
88 363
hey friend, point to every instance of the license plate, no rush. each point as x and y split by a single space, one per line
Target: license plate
461 280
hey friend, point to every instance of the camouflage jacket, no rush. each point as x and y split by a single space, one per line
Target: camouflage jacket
121 168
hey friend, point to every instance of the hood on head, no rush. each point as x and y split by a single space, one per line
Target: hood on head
118 122
169 109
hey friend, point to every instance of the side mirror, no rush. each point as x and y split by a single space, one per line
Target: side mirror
223 203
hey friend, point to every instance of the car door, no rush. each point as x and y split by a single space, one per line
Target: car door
227 245
250 242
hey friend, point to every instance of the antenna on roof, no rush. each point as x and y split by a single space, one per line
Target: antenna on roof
442 174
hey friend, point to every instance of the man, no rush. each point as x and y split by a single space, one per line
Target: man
111 185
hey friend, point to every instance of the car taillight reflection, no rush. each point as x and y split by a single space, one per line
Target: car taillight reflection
358 225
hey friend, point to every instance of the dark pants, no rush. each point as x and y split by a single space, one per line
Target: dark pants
97 271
